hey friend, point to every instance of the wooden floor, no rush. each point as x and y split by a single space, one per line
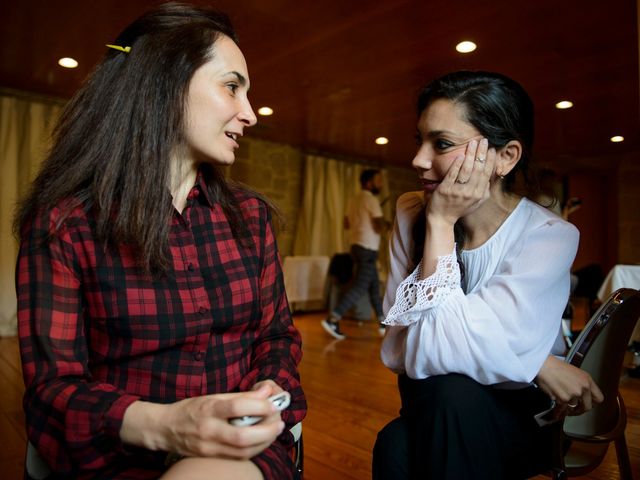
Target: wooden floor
350 394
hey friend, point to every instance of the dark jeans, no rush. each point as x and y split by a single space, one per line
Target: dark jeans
451 427
365 281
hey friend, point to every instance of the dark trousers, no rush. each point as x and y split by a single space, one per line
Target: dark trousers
451 427
365 281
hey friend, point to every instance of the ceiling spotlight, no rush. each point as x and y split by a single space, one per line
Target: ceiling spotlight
265 111
617 139
382 140
466 47
68 62
564 104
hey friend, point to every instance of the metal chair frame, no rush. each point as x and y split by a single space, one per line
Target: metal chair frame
600 350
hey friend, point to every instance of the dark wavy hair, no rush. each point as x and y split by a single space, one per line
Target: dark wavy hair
367 175
113 143
501 110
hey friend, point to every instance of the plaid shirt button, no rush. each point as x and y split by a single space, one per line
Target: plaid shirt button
203 310
198 356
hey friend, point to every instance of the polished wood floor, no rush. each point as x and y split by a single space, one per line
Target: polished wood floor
351 396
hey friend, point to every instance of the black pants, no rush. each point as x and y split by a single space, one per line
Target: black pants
451 427
365 281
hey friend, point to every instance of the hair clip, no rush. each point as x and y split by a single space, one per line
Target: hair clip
118 47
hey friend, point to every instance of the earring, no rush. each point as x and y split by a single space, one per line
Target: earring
500 176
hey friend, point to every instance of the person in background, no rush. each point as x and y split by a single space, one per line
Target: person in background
365 223
151 304
478 282
549 197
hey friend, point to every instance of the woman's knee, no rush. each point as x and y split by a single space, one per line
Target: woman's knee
194 468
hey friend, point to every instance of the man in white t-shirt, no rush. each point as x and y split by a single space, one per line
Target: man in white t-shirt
365 222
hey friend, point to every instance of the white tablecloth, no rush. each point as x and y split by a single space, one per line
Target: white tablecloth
305 277
621 276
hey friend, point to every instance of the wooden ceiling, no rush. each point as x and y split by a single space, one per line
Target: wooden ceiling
340 73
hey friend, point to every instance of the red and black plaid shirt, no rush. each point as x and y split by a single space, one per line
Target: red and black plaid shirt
96 334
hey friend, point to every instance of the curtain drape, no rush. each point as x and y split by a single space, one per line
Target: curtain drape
25 129
328 185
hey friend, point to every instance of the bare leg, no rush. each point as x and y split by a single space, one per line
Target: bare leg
208 468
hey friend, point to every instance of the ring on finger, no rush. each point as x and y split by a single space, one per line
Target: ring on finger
461 182
480 158
575 403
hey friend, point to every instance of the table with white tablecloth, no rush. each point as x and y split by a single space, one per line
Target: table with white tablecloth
305 281
621 276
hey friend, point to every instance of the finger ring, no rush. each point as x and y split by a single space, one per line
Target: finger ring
480 159
573 405
461 182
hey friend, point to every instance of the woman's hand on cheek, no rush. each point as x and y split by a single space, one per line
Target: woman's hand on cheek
466 184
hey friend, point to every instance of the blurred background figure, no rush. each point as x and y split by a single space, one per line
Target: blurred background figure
364 222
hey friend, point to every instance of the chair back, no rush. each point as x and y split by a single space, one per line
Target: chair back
599 350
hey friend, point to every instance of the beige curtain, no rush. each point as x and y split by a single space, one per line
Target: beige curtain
327 186
25 129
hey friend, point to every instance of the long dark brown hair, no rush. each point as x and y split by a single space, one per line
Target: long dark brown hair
502 111
113 143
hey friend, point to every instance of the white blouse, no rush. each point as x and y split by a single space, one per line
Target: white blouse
508 321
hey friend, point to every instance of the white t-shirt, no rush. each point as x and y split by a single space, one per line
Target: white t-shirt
506 324
363 208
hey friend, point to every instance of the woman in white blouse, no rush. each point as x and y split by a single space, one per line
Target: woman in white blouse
479 280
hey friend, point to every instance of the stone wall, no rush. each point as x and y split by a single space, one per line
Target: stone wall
275 170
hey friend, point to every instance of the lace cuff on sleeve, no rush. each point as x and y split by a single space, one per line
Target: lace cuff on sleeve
414 296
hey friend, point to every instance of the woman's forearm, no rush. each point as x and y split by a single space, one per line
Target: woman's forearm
142 425
439 241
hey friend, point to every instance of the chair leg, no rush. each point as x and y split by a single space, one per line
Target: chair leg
623 458
301 458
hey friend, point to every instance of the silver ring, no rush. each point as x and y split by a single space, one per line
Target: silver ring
573 405
461 182
480 159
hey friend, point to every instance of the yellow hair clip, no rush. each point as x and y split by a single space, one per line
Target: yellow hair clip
118 47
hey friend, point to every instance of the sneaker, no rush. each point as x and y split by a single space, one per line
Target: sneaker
333 329
381 329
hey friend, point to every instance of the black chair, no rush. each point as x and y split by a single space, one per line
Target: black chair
600 350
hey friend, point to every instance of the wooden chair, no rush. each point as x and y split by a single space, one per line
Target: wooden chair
600 350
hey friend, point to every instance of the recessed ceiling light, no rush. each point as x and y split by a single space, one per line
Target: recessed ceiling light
265 111
466 47
68 62
382 140
617 139
564 104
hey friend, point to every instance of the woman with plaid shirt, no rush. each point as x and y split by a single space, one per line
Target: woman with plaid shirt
151 303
